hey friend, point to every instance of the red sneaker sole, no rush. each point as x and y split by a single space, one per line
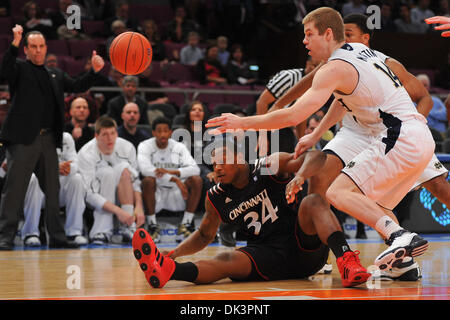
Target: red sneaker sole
357 279
146 254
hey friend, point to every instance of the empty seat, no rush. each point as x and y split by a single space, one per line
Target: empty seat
81 48
58 47
171 46
178 72
74 67
6 25
157 74
93 28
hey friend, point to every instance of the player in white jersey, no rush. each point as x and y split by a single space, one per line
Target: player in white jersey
171 178
108 166
72 195
402 145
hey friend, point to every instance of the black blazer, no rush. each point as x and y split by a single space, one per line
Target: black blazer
22 123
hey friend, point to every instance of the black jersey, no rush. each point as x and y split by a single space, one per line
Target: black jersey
260 209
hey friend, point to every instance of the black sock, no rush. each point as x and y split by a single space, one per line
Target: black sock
337 243
186 271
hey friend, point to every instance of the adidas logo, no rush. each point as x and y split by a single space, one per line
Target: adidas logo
387 223
227 200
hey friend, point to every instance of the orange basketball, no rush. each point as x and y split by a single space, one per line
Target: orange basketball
130 53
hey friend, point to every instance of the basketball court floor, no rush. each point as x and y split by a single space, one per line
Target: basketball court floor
112 273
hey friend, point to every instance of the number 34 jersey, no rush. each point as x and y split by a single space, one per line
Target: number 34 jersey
379 100
260 209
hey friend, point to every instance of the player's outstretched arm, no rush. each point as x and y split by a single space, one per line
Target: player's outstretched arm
296 91
416 90
201 237
336 74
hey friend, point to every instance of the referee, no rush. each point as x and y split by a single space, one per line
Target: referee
276 88
33 130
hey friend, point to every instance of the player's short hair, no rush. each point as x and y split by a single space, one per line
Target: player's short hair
104 122
324 18
25 38
361 22
161 120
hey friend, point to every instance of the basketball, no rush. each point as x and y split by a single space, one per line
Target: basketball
130 53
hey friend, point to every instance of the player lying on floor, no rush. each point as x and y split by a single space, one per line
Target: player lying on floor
284 241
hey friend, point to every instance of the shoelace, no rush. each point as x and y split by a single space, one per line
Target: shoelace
352 257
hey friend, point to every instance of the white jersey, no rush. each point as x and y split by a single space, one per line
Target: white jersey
379 100
91 160
68 152
174 156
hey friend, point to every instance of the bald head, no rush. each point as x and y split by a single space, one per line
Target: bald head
79 110
130 115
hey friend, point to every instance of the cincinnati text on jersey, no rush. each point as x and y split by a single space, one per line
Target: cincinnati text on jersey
243 206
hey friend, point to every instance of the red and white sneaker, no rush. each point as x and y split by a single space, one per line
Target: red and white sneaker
352 272
157 268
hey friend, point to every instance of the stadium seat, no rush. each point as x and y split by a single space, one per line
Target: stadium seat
81 48
171 46
93 28
6 25
178 72
74 67
58 47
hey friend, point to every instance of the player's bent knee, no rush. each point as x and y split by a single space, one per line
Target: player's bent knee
194 182
126 175
149 183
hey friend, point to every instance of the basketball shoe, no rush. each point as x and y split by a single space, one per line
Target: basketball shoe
408 270
327 267
402 244
352 272
157 268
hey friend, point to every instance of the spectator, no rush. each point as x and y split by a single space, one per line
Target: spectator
51 61
150 31
108 167
33 19
4 8
98 9
312 123
420 12
387 22
191 54
178 28
71 195
171 179
117 27
437 118
129 87
444 8
146 82
122 12
59 19
78 127
209 70
442 79
354 6
129 130
405 24
238 70
224 54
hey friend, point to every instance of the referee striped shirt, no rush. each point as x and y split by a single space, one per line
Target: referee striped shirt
283 81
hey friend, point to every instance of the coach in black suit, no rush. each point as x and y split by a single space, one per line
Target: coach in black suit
33 130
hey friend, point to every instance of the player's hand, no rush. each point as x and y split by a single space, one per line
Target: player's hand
125 217
159 172
97 61
294 187
64 168
305 142
183 189
139 216
17 34
263 144
225 122
444 21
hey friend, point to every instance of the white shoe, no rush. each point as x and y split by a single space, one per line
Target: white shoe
408 270
32 241
403 244
78 239
326 269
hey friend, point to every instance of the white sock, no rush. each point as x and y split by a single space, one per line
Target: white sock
151 219
386 226
187 218
128 208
